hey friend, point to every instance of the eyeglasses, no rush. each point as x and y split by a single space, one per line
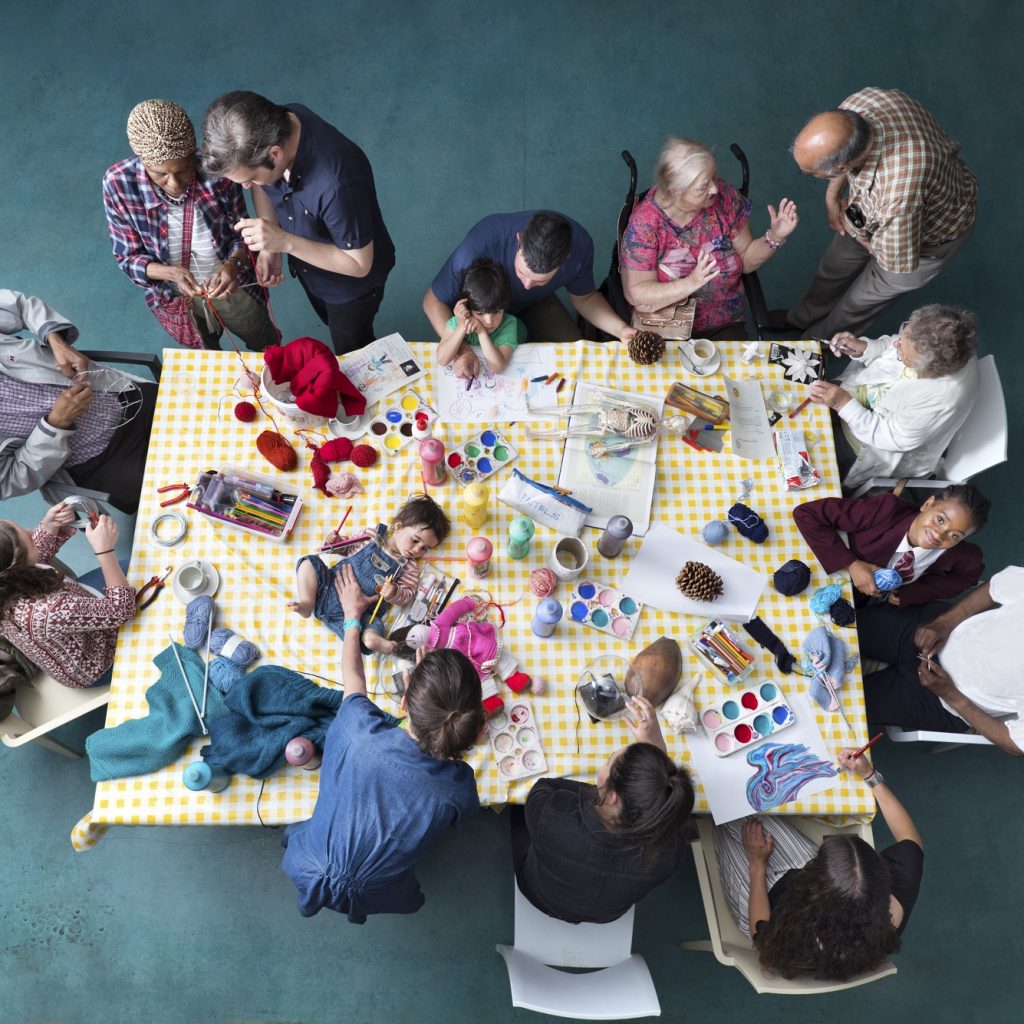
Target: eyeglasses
855 217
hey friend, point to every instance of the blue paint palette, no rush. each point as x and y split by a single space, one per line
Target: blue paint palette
605 608
480 457
745 719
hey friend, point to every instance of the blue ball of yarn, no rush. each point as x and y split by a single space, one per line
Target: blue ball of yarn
224 674
748 523
241 652
887 579
824 597
715 532
198 615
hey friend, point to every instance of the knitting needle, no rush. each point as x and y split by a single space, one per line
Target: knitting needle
870 743
206 667
188 686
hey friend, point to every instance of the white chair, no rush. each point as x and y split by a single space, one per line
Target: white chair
42 705
979 444
623 989
945 740
734 949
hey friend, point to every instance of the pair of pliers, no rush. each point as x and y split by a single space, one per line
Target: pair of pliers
154 585
185 491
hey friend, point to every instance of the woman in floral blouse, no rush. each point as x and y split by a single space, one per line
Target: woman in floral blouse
67 629
690 236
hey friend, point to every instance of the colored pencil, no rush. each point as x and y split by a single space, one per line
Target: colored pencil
469 383
343 518
870 743
548 380
800 408
561 384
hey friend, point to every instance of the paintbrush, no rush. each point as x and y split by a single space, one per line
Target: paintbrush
867 746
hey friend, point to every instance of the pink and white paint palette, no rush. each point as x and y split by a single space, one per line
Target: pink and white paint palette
604 608
746 719
515 741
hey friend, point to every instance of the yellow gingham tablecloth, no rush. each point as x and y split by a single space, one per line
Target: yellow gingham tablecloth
195 430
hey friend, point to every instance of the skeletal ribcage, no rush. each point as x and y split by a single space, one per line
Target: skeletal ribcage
638 424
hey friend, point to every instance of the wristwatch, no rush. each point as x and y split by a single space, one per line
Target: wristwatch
876 778
237 260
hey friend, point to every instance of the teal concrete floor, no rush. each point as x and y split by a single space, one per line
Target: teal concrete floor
465 109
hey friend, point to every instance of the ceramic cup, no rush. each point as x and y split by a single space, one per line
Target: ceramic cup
701 352
192 577
569 558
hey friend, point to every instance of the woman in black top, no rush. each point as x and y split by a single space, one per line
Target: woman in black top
842 913
588 853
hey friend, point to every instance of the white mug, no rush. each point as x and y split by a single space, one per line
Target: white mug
569 558
701 351
192 577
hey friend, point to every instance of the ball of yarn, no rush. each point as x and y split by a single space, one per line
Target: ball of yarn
824 597
748 523
276 450
715 532
792 578
344 485
842 612
337 450
543 582
198 616
538 686
230 645
225 673
887 579
364 456
245 411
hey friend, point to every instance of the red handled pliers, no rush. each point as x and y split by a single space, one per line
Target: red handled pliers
154 585
184 489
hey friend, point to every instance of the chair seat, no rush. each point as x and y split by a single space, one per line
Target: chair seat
42 705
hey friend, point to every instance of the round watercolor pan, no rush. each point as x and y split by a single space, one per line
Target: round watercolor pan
499 721
533 761
711 719
768 692
527 737
731 710
519 713
508 766
503 742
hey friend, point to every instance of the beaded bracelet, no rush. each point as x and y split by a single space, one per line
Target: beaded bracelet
772 244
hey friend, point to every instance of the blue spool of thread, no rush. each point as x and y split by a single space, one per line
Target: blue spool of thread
887 579
715 532
546 617
199 776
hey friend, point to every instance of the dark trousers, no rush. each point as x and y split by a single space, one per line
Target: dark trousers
520 836
350 323
894 695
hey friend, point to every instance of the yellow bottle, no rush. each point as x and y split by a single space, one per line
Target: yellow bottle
474 504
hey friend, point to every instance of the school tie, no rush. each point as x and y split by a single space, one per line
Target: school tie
905 565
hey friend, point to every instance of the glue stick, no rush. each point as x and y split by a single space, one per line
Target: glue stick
474 504
302 753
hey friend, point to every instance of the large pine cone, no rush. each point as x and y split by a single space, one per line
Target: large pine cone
699 582
646 348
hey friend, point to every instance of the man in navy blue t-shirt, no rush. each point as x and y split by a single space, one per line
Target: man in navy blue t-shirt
541 252
315 200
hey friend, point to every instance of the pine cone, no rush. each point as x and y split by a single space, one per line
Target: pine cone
646 347
699 582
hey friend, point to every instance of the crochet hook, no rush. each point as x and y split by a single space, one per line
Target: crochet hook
188 685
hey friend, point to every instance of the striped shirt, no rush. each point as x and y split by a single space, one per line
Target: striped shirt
408 579
205 261
913 189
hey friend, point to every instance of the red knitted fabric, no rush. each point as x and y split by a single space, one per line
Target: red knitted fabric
363 455
276 450
245 411
337 450
317 383
321 472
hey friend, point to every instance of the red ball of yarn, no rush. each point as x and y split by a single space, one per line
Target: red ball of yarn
363 455
276 450
337 450
543 582
245 411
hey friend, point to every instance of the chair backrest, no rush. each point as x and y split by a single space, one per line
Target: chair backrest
980 443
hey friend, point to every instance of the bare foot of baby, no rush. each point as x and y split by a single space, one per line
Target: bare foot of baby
303 608
373 641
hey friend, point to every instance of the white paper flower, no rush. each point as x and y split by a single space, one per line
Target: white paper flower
801 365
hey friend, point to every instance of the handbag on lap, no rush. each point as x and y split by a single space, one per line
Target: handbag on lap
674 322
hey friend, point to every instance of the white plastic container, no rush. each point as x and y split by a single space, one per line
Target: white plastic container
215 496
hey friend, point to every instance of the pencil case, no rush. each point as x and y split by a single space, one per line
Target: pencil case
545 505
247 501
696 403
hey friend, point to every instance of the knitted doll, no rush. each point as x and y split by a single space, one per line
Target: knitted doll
479 641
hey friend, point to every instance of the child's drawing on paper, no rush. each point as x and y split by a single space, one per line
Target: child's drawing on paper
781 770
497 397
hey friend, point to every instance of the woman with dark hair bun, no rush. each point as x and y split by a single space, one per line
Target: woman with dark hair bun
833 911
588 853
386 791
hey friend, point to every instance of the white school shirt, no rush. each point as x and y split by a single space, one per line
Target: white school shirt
985 653
923 557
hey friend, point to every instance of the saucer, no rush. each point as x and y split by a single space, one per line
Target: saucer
351 431
707 370
212 582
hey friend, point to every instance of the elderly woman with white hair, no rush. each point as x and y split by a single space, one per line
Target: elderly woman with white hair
690 236
172 231
901 400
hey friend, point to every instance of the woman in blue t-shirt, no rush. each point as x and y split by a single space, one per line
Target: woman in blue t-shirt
385 791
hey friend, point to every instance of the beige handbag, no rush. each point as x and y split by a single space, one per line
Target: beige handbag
674 321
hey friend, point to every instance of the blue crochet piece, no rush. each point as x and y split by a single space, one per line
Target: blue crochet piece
198 616
887 579
748 523
824 597
826 660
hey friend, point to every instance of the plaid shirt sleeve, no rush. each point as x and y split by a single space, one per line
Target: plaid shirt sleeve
896 244
132 251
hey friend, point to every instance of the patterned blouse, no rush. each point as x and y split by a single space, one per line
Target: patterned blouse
652 238
70 633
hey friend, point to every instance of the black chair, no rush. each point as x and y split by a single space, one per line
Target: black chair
611 286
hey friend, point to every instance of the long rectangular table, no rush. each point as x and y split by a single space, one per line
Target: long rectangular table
194 430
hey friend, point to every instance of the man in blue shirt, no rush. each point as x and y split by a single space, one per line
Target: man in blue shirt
541 252
315 199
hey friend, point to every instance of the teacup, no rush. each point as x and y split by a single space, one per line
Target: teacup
701 353
569 558
192 577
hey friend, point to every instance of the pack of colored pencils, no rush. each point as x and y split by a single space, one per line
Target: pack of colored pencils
723 652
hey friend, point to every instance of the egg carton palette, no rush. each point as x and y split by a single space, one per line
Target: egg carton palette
745 719
480 457
391 425
604 608
515 741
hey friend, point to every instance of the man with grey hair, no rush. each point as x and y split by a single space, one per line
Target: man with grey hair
315 199
899 198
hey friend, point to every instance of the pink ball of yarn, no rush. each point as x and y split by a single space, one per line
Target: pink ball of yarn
538 686
543 582
344 485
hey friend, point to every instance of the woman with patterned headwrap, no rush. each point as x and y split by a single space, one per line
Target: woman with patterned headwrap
172 233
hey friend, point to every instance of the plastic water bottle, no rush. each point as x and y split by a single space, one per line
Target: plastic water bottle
199 775
546 617
520 533
616 533
302 752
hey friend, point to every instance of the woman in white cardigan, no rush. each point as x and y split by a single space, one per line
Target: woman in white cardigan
901 400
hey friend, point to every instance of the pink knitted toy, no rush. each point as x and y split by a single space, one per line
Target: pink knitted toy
478 641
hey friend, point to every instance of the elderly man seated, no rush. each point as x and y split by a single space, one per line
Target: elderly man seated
59 432
902 398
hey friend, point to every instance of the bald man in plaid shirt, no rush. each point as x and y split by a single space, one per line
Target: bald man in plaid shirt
900 199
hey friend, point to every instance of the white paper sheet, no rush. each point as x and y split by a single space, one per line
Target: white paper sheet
498 397
652 577
725 778
383 366
750 430
616 484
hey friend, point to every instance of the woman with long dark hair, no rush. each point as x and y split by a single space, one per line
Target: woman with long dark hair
588 852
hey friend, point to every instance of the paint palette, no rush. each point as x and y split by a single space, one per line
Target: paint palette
515 741
480 457
746 719
392 423
604 608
